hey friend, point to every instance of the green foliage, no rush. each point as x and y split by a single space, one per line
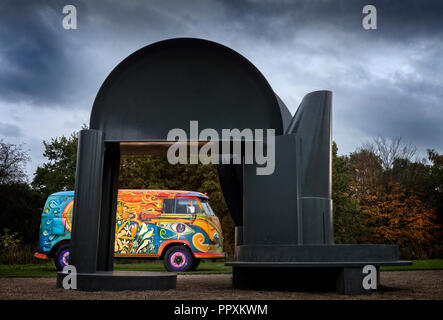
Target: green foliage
21 208
347 221
366 205
20 205
58 174
433 184
13 250
9 240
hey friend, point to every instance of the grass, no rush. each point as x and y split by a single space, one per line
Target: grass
434 264
203 268
48 269
41 270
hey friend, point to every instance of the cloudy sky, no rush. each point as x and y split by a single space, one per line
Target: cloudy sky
385 82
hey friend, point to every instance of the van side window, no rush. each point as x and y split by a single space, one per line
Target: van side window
196 206
168 205
182 204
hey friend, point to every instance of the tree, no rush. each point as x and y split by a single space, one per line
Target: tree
433 184
58 174
397 216
390 190
389 150
347 221
12 163
20 205
21 208
367 173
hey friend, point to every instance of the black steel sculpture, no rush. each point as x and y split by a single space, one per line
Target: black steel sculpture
284 233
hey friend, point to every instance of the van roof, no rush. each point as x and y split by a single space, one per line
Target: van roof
63 193
166 192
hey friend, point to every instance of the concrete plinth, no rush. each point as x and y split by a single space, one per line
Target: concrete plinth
344 280
122 280
322 268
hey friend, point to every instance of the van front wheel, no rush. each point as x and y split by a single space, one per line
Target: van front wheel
178 258
61 257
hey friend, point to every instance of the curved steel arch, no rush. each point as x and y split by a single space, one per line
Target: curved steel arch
166 84
283 220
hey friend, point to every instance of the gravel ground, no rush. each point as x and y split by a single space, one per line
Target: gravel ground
394 285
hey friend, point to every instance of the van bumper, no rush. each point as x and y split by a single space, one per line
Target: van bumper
39 255
209 254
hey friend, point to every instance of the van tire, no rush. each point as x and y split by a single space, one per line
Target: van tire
178 259
195 264
61 257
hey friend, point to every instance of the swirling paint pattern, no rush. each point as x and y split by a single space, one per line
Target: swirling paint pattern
67 216
141 228
198 241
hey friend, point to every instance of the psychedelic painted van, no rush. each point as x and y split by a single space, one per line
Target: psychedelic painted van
179 227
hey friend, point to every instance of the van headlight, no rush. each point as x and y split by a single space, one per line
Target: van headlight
216 238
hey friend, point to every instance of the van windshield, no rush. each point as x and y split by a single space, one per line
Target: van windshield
206 207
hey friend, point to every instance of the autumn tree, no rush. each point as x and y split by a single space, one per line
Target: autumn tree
367 174
389 188
394 215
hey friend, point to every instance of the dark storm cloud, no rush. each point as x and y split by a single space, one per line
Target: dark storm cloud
279 19
386 81
41 63
33 56
377 111
9 130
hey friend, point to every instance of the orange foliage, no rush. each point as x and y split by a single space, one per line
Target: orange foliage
389 212
394 216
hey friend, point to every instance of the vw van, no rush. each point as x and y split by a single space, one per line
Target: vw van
179 227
